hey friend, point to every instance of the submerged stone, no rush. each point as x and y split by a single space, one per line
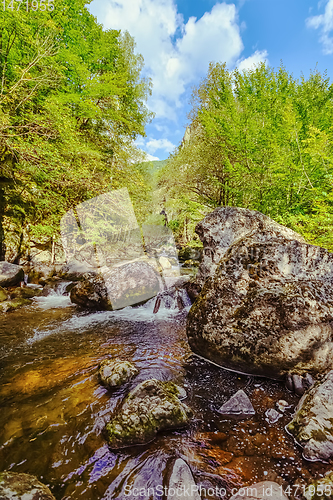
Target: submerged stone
15 486
115 372
239 405
312 425
182 484
151 407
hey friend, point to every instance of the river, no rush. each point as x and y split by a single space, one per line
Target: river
53 408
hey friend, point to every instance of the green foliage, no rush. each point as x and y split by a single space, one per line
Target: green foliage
258 139
71 103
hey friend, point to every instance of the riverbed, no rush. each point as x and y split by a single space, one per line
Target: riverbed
54 409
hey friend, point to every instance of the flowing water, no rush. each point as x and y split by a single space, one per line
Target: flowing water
53 408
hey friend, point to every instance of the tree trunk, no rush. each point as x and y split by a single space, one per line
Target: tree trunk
2 233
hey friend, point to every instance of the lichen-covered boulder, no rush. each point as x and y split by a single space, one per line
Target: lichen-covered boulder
312 425
129 284
268 309
17 486
11 305
220 229
10 274
115 372
151 407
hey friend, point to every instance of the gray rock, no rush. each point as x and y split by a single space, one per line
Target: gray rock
15 486
220 229
129 284
75 270
272 416
265 490
182 484
239 405
91 293
115 372
312 425
268 309
10 274
151 407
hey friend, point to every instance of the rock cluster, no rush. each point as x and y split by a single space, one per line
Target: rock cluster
22 486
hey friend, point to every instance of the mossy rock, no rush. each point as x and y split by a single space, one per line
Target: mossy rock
3 294
25 293
153 406
11 305
115 372
15 486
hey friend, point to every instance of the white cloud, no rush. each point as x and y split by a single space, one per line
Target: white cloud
163 144
325 23
252 61
152 158
175 53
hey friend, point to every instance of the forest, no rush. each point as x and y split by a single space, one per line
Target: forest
73 101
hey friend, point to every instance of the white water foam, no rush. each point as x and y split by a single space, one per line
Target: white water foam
57 298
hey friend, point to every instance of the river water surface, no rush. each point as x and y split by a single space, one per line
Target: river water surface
53 408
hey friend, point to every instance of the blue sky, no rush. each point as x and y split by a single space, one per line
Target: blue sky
178 39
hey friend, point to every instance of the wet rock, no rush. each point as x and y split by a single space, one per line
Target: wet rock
272 416
76 270
128 284
320 489
239 405
282 405
268 309
25 293
115 372
14 486
151 407
11 305
3 294
312 425
10 274
91 293
265 490
299 384
182 484
220 229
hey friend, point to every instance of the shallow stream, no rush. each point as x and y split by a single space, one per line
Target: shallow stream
53 408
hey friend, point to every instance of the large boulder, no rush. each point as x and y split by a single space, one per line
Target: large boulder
151 407
75 270
312 425
128 284
268 309
220 229
16 486
10 274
